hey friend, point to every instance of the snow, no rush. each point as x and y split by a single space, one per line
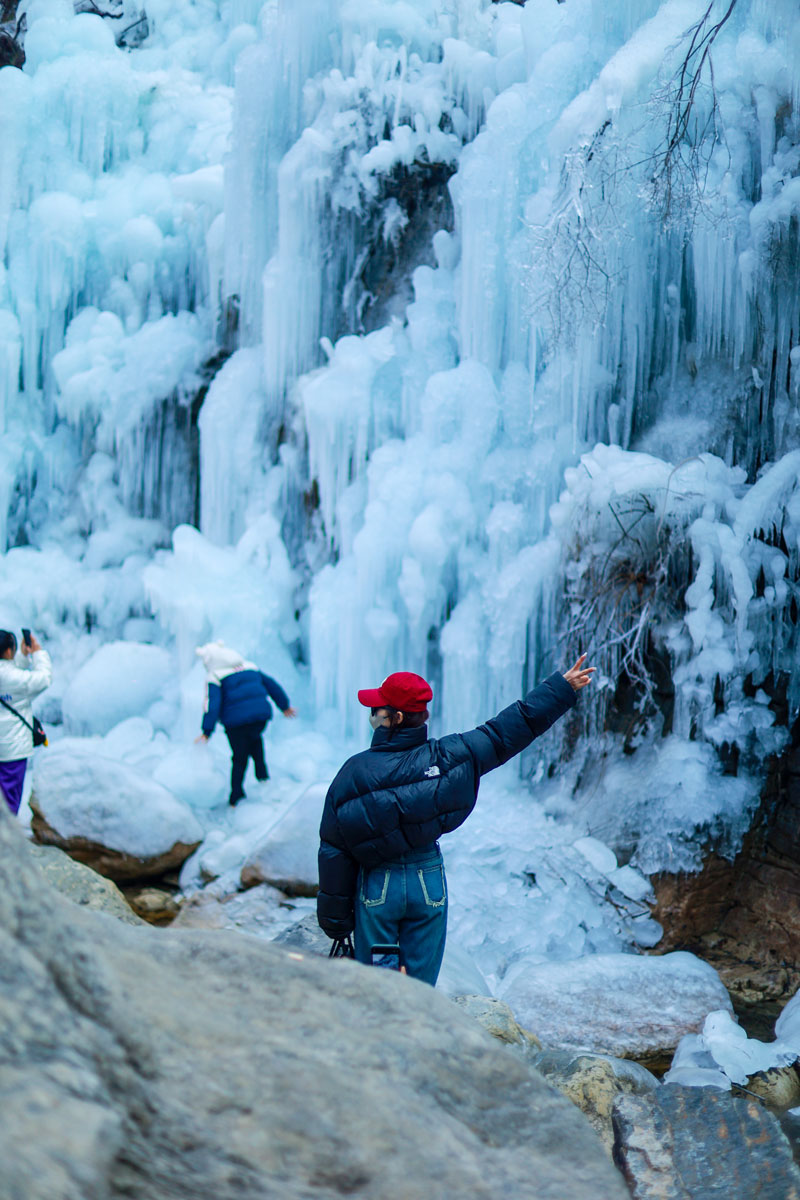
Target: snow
82 793
120 680
722 1053
613 1003
218 424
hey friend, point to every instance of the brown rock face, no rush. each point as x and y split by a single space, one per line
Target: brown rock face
114 864
744 916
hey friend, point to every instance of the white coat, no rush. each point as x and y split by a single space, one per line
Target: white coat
21 679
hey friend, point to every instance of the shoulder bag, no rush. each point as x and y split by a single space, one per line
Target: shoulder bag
37 728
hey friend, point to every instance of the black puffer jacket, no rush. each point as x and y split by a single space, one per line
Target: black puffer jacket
405 791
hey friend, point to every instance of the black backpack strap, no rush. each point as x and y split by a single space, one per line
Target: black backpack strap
11 709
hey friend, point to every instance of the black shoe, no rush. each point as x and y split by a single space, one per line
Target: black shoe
263 778
234 800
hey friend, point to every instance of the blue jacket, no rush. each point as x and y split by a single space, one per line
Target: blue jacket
241 699
406 790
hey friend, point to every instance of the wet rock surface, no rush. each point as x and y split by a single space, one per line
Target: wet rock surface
744 916
700 1144
237 1072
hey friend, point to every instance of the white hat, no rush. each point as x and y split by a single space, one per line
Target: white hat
219 659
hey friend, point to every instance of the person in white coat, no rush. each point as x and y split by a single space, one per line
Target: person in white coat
24 674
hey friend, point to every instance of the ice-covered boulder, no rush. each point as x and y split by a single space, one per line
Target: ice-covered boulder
107 814
286 857
247 1069
121 679
627 1005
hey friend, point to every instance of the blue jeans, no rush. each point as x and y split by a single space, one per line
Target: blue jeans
405 902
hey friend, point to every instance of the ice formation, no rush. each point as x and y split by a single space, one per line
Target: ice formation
406 333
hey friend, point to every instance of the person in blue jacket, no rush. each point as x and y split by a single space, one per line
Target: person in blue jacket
238 695
380 866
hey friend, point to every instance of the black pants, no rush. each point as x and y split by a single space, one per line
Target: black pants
246 743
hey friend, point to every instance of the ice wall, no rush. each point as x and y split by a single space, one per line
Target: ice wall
566 418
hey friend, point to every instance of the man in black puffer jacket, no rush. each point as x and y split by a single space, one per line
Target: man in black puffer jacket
380 867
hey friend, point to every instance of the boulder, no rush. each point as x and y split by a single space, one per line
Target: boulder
108 815
154 905
779 1087
498 1020
286 857
260 911
245 1070
593 1084
626 1005
307 936
702 1144
81 884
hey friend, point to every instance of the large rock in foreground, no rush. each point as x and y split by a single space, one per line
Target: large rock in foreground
620 1004
108 815
144 1063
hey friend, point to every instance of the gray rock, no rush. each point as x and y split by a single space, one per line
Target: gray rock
702 1144
81 884
156 1063
498 1020
307 936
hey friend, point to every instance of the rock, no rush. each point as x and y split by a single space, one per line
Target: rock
11 51
744 916
81 884
626 1005
594 1083
307 936
245 1070
286 858
154 905
108 815
778 1087
498 1020
701 1144
262 912
252 876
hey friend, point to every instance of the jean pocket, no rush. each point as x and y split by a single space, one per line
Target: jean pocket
374 886
433 885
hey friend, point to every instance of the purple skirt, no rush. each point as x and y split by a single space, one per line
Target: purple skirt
12 777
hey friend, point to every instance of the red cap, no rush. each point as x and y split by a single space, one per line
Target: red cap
403 690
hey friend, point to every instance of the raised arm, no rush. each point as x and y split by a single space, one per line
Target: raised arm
513 729
27 682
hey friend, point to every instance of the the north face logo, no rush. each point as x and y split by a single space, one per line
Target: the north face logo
432 772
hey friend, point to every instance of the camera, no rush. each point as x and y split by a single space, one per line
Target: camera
27 640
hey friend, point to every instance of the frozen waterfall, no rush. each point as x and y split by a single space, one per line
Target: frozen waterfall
437 334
